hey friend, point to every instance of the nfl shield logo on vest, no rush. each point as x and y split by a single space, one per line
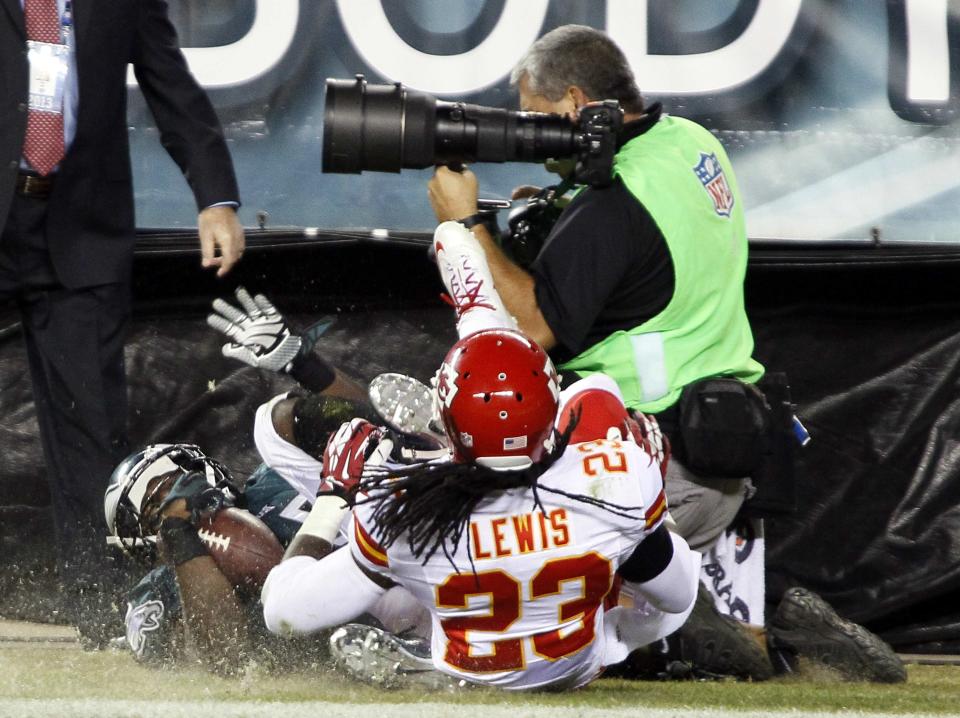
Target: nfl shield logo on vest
710 173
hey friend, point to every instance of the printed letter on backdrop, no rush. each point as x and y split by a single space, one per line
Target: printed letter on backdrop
386 52
709 72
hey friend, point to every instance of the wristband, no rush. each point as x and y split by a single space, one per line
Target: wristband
324 519
181 542
311 371
486 218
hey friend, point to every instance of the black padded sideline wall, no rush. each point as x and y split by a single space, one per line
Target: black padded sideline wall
868 337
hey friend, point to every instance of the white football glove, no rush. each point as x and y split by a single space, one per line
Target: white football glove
259 334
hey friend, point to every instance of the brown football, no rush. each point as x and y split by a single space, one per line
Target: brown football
244 548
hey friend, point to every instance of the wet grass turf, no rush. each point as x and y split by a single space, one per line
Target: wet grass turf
63 672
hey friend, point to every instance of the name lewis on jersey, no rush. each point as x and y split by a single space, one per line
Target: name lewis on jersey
519 534
710 173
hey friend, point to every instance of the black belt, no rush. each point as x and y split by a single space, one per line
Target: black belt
32 185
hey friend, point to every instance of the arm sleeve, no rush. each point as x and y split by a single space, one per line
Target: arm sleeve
673 589
649 558
303 595
189 128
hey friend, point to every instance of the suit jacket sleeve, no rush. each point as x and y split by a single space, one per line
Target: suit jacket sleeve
189 128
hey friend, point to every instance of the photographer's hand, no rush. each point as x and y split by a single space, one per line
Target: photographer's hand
453 195
524 191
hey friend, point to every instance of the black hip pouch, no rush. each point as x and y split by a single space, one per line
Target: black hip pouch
724 427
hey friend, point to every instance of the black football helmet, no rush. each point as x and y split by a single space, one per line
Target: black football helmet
138 485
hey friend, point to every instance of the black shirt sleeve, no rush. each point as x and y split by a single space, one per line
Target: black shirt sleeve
604 267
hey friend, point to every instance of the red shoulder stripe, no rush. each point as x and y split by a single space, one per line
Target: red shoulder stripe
370 549
654 513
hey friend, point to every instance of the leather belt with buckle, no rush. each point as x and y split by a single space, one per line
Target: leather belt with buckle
29 185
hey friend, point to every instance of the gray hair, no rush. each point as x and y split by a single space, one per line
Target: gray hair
582 56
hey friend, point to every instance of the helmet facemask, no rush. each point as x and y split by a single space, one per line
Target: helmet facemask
139 485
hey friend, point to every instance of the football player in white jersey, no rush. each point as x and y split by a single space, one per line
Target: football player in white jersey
513 546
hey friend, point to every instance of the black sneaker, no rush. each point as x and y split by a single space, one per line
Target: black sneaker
805 626
715 646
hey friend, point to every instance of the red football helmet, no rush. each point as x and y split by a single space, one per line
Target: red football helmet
498 393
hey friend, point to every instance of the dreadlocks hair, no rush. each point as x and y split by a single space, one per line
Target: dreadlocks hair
431 504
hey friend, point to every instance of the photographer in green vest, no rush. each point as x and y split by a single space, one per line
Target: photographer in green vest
643 280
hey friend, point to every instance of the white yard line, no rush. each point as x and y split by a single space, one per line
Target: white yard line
27 631
238 709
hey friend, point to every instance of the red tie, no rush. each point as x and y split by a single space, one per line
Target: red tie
43 146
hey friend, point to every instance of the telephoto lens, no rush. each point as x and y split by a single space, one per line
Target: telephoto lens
386 128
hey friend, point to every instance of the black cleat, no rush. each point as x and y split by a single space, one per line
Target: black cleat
716 646
805 626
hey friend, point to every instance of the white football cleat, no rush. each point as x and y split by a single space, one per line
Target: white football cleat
372 655
406 404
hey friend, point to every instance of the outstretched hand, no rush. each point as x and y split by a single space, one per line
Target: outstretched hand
219 227
258 332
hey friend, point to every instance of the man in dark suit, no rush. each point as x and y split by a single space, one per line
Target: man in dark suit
66 249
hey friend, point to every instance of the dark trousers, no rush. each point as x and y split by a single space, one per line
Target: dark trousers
74 340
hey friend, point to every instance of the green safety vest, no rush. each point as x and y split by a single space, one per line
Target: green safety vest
680 173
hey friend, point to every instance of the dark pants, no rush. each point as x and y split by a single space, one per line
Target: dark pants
74 340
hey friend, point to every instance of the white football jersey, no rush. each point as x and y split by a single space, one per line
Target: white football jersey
296 466
527 611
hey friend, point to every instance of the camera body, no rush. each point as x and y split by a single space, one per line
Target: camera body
529 224
599 124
